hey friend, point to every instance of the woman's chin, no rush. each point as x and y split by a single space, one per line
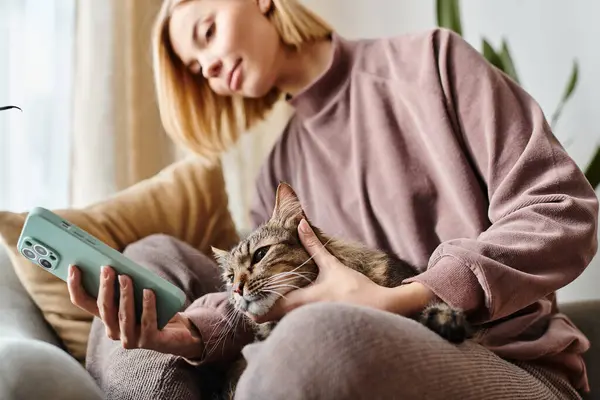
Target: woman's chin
254 90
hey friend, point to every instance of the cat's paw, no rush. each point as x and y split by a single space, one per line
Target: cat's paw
449 323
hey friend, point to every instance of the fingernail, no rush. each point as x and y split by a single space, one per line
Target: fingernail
122 281
146 294
304 228
105 272
71 271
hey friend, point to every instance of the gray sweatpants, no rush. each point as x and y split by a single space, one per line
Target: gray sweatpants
321 351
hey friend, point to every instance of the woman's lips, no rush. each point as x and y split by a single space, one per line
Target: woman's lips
235 77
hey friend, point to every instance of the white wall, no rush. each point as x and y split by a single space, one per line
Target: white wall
544 36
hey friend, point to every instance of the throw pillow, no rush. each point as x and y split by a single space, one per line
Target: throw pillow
187 200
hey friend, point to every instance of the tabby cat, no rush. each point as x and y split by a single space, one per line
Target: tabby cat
272 261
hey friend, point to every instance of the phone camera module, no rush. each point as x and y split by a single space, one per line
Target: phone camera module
40 250
29 254
46 264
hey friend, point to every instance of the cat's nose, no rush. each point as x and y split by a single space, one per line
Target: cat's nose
238 288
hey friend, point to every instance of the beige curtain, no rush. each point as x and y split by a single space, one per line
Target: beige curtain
118 139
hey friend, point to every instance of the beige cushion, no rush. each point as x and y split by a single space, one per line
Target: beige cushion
187 200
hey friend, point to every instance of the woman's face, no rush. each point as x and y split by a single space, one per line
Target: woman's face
230 42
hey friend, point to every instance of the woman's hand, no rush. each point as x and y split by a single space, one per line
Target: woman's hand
337 282
178 337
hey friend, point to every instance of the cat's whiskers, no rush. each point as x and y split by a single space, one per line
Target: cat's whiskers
218 324
290 274
237 317
284 279
313 256
295 269
230 319
299 266
280 287
274 292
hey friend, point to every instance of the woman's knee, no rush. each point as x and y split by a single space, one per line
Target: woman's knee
340 322
156 243
322 350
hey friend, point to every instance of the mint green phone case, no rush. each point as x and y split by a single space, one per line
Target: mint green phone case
53 244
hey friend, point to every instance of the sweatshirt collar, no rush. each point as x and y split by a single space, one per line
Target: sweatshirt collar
324 90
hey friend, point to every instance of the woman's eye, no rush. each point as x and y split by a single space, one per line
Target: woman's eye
210 32
259 254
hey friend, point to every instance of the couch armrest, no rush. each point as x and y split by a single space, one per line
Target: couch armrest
20 318
32 369
586 316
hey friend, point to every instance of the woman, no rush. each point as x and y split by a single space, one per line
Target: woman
413 144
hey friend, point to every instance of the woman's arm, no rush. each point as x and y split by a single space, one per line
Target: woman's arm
542 210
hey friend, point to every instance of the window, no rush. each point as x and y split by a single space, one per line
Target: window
36 70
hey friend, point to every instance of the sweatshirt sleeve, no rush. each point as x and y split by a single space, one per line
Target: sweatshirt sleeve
542 210
222 336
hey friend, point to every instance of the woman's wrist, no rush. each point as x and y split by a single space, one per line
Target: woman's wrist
195 350
407 299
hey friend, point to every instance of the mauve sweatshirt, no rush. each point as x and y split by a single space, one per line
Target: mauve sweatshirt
417 145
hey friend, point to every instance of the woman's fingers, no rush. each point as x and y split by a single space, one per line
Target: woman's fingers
77 293
314 247
149 321
107 304
127 321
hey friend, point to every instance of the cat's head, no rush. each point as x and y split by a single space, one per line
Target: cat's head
271 261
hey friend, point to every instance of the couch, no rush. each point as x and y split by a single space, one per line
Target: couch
33 364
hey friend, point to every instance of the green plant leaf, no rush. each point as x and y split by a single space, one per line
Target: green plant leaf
9 107
490 54
448 15
592 172
569 89
507 62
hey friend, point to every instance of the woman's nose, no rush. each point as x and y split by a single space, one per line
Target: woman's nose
213 69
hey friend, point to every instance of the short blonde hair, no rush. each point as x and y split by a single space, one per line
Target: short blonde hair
195 116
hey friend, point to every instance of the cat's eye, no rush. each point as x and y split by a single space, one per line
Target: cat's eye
230 277
260 254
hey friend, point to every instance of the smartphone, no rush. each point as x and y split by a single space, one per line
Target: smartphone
54 243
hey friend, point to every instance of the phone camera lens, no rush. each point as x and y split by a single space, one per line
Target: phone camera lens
29 254
28 243
46 264
40 250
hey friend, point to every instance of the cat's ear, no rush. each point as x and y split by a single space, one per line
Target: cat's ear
220 255
288 210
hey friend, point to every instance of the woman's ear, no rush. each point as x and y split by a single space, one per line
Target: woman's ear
264 5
